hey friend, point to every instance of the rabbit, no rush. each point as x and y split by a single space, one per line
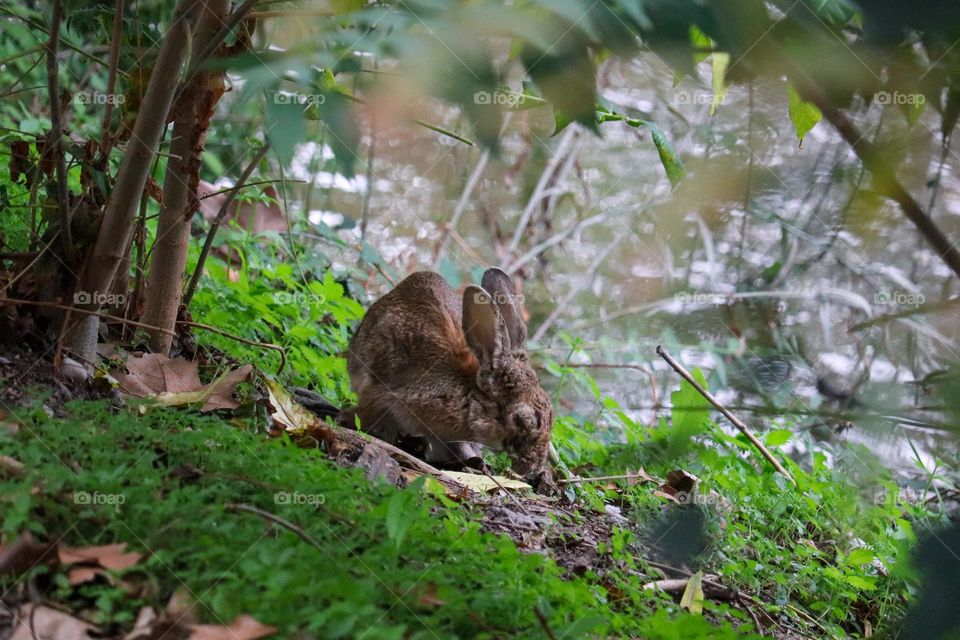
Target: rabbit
427 362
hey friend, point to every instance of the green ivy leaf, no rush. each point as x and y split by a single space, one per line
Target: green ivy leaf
803 114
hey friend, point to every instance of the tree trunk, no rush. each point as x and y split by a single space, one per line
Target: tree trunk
118 219
192 115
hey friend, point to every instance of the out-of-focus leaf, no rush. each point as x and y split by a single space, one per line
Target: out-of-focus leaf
803 114
692 599
690 409
668 156
285 125
719 71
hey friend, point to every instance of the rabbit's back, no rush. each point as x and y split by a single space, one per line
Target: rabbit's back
411 333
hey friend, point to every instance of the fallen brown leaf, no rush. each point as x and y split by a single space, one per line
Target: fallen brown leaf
243 627
175 382
109 556
49 624
81 575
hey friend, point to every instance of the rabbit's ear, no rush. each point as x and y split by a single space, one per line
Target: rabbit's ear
482 325
500 287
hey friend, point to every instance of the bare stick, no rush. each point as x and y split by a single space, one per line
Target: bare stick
87 312
419 465
253 343
286 524
116 35
142 325
874 159
599 478
215 225
559 155
56 133
544 623
734 420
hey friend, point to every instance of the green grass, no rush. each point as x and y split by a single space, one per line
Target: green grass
391 564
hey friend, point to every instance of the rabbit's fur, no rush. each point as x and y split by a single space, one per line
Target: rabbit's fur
428 362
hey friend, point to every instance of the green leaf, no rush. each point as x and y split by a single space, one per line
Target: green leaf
285 126
690 409
699 40
668 156
692 599
859 556
720 63
778 437
399 515
867 583
804 115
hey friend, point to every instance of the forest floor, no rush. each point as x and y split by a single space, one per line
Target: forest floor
125 519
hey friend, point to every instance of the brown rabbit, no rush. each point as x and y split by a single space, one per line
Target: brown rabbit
426 362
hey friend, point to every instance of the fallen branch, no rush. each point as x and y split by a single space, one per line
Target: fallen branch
415 462
734 420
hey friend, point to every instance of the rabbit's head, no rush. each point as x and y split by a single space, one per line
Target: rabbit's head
509 410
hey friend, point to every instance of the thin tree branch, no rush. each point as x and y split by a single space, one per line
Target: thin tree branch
56 133
116 35
734 420
215 225
883 173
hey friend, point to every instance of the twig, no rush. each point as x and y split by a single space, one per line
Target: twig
81 311
599 478
468 188
510 495
932 307
585 280
554 240
634 367
873 158
286 524
32 262
418 464
134 323
461 206
562 148
744 429
253 343
544 623
371 153
244 186
215 225
56 133
304 13
116 35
